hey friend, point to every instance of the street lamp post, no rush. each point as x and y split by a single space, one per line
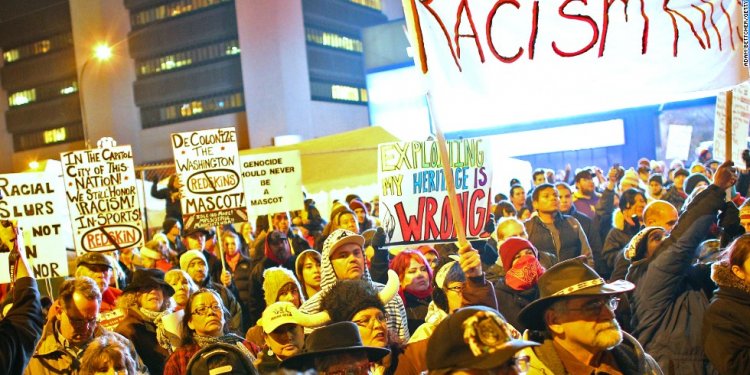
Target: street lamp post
102 52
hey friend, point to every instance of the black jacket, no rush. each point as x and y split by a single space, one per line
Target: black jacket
257 296
571 244
172 207
142 333
21 328
510 302
416 310
240 288
726 328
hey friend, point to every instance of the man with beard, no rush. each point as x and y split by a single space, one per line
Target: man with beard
277 253
98 267
585 197
194 263
574 320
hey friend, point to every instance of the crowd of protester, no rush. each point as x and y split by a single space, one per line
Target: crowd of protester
644 270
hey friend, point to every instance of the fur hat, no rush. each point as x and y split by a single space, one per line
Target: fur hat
348 297
274 279
636 248
511 247
188 257
630 178
693 180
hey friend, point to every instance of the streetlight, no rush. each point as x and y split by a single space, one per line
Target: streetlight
102 52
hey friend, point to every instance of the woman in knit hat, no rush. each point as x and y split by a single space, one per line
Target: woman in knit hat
415 276
518 287
279 285
307 268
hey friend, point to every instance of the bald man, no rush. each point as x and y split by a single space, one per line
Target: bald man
656 214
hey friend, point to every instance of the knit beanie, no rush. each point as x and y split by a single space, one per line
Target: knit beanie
188 256
168 223
630 177
151 250
348 297
693 180
356 203
513 246
274 279
745 210
635 249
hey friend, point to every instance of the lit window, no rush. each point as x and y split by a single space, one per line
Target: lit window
189 57
333 40
374 4
212 106
173 9
341 92
39 47
55 135
22 97
69 89
11 55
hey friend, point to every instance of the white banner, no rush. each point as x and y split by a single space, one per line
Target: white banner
36 201
102 197
740 123
489 63
209 168
273 182
414 205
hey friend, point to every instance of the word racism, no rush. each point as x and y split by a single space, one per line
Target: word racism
483 27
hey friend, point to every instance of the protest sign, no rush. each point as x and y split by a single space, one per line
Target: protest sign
488 62
102 199
740 123
35 201
273 182
414 205
209 168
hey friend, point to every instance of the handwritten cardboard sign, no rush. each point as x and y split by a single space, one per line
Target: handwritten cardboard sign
414 205
36 201
740 123
102 197
209 168
273 182
488 62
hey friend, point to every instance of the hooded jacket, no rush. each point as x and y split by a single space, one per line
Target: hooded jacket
397 321
726 329
669 301
630 357
21 328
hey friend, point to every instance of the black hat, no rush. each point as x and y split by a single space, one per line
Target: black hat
681 172
93 259
149 279
205 232
332 339
570 278
168 224
693 180
584 173
475 337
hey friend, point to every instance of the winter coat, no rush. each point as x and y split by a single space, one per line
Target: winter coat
256 298
510 302
395 311
586 205
142 333
234 320
51 357
726 328
416 310
669 302
589 228
675 197
172 207
573 241
240 288
630 357
617 239
21 328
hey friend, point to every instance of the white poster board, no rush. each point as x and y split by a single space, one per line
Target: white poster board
678 142
209 168
414 205
102 196
273 182
35 200
740 123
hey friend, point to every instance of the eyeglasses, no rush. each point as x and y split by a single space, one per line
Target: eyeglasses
81 323
208 309
457 289
362 369
370 322
594 308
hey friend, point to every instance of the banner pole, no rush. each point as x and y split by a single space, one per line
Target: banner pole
458 221
728 127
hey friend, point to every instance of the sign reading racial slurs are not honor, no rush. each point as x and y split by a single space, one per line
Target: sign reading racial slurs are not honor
35 200
209 168
487 61
414 203
273 182
102 197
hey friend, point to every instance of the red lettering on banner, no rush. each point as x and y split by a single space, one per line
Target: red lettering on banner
426 4
411 227
586 19
464 7
729 21
713 24
490 18
605 24
431 229
534 29
672 13
476 219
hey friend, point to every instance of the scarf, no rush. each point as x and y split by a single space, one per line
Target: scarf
151 315
425 294
270 255
524 273
231 339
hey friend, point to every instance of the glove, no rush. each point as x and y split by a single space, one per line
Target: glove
746 158
489 226
379 238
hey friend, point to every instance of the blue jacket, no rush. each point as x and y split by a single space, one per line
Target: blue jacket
669 301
